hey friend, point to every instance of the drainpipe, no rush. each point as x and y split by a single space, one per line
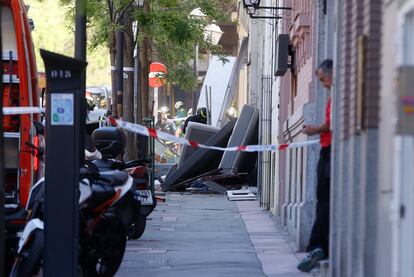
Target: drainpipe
265 137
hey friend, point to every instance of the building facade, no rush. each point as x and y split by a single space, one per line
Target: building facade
372 219
372 45
301 102
286 179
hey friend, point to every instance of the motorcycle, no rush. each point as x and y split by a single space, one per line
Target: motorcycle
106 138
15 215
111 210
106 209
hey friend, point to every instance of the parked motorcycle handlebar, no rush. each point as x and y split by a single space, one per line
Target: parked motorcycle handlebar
91 172
135 163
40 150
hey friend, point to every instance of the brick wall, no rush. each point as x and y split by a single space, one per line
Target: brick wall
372 29
357 31
305 76
355 151
344 74
360 18
296 207
298 24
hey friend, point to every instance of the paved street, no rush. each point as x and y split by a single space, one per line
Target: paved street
207 235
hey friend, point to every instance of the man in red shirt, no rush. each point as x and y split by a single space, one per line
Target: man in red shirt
318 246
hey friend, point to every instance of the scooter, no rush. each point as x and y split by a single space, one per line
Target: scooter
14 221
102 230
107 138
15 214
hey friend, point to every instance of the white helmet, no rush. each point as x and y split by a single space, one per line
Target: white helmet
164 109
178 104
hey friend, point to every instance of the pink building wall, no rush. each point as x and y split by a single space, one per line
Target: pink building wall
292 164
299 26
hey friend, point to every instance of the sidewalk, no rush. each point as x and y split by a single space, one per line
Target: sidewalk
270 241
207 235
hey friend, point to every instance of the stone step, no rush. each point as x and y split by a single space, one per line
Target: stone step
323 269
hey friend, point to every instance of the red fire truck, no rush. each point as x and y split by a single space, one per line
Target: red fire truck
19 89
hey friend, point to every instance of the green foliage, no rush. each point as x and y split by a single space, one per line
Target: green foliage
169 27
54 32
174 32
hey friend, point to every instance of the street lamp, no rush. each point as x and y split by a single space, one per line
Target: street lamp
212 33
252 6
254 3
197 13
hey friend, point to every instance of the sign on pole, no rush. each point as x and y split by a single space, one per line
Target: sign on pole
156 80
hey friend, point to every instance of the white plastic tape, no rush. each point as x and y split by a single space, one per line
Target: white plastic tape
145 131
21 110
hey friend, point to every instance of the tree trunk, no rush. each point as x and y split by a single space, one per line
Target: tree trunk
128 97
144 66
112 54
119 64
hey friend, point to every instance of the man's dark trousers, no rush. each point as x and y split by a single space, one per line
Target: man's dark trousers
320 231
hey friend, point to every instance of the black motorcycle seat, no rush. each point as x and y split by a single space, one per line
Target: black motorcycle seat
14 212
114 178
101 193
11 208
107 165
103 165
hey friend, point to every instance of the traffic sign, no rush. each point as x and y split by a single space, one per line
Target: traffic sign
157 75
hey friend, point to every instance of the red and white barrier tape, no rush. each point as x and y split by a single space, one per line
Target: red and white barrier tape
21 110
149 132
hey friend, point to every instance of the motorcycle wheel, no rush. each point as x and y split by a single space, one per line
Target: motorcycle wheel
136 229
106 250
29 261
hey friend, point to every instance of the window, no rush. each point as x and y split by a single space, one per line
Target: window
408 46
8 34
293 90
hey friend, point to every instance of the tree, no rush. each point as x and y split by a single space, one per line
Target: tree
167 33
60 39
173 34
